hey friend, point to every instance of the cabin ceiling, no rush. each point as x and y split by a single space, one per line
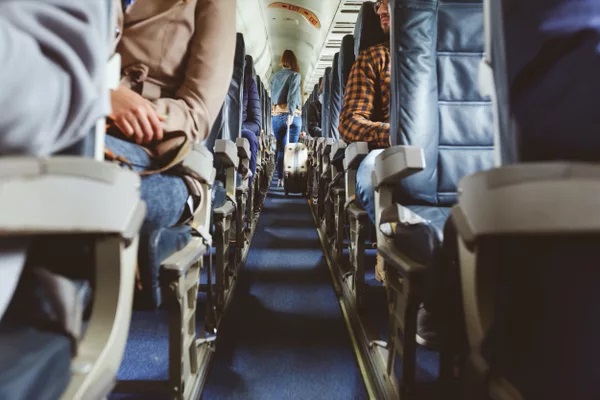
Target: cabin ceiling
268 31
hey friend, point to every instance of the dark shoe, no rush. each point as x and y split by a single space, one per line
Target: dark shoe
427 333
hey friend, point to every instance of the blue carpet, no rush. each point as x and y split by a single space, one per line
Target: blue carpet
284 336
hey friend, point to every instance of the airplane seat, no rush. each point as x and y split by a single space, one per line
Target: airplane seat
335 107
441 131
335 98
326 106
311 142
325 131
253 206
332 96
347 58
336 189
242 190
58 333
529 279
367 33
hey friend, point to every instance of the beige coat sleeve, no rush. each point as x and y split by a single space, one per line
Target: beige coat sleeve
209 70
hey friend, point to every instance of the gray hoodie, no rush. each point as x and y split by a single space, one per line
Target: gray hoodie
53 54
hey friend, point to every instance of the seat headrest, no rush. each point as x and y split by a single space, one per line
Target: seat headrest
346 59
249 70
367 31
335 98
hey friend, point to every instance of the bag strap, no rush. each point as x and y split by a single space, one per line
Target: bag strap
179 157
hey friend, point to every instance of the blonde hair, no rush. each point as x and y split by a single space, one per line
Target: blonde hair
289 60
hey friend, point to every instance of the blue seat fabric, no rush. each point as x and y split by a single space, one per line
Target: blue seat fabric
335 98
367 30
33 364
545 327
325 107
436 49
346 60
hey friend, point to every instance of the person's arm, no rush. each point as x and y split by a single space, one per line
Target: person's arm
253 110
208 74
356 118
293 98
54 54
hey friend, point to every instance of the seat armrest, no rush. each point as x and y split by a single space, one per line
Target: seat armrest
179 263
227 152
532 198
68 194
326 146
397 162
355 153
243 147
338 147
200 161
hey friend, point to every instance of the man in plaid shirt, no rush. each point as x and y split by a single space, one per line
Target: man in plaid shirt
365 115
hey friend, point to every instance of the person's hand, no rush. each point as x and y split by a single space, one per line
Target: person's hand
135 116
290 119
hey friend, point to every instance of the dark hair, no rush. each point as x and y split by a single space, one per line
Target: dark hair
289 60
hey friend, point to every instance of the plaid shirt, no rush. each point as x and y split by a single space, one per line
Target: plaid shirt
365 115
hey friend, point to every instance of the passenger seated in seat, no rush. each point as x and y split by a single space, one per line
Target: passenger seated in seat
314 114
54 56
177 62
251 114
285 95
365 115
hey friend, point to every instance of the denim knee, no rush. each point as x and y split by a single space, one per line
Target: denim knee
365 192
132 152
165 197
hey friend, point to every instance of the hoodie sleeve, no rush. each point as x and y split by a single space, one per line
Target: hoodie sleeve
54 54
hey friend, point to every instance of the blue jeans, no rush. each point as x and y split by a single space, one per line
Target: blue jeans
365 193
165 195
253 140
279 130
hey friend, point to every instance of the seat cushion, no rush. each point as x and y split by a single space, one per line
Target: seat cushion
420 241
154 248
33 364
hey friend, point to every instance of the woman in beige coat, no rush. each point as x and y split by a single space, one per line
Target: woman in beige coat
177 63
